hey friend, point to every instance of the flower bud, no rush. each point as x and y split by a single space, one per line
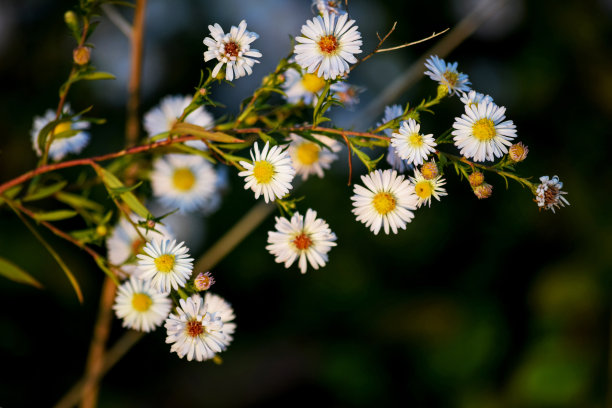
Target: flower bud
101 230
483 191
202 91
203 281
150 224
429 170
518 152
476 178
251 120
71 20
81 55
442 91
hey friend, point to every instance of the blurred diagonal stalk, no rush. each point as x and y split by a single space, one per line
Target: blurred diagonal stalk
466 27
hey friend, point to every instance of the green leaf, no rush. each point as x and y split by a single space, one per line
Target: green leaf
13 272
125 189
76 201
10 193
195 130
94 76
54 215
129 198
45 191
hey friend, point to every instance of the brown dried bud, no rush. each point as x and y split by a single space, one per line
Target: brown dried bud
203 281
81 55
203 91
429 170
483 191
476 178
518 152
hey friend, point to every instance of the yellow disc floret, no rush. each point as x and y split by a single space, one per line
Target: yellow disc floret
164 263
183 179
312 83
383 203
62 127
263 171
484 129
308 153
141 302
423 189
328 44
415 140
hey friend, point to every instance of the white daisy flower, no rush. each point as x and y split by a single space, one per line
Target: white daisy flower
305 88
329 6
124 243
387 201
328 45
396 162
185 181
307 238
215 304
346 93
447 75
549 194
474 98
270 174
426 188
195 332
481 132
141 306
232 49
309 157
162 118
410 144
60 147
166 264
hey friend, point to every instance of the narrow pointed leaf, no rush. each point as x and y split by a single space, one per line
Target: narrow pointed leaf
13 272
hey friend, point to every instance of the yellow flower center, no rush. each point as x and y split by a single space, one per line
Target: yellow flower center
383 203
415 140
164 263
484 129
62 127
423 189
312 83
308 153
263 171
328 44
451 77
194 328
302 241
183 179
141 302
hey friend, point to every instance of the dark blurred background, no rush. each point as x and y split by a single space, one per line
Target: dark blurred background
477 304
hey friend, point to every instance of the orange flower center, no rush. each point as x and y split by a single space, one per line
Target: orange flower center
232 49
328 44
194 328
302 242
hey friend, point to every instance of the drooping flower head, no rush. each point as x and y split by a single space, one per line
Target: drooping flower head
194 331
411 145
387 200
396 162
187 182
232 50
62 145
425 188
447 75
309 157
549 195
328 45
270 174
482 133
166 264
162 117
141 306
305 238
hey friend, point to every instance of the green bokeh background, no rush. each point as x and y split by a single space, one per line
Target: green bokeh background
480 304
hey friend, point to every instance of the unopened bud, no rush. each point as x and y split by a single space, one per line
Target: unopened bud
71 20
101 230
476 179
150 224
442 91
429 170
251 120
203 91
483 191
203 281
518 152
280 77
81 55
220 75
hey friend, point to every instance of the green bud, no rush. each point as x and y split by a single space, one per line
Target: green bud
71 20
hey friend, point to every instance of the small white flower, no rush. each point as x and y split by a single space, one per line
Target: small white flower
124 243
220 307
185 181
305 88
232 49
60 147
427 188
396 162
307 238
410 144
309 157
474 98
447 75
481 132
346 93
270 174
166 264
194 331
328 45
162 118
387 201
329 6
549 194
141 306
